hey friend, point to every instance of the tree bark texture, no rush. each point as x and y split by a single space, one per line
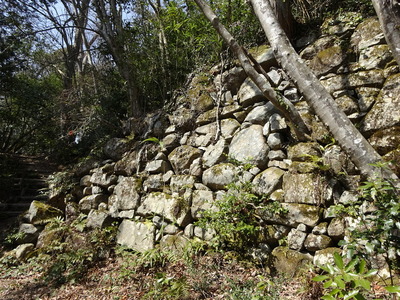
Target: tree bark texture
280 102
284 15
349 138
388 12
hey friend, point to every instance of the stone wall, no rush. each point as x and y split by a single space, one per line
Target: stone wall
157 189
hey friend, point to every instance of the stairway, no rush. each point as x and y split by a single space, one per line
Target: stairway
22 180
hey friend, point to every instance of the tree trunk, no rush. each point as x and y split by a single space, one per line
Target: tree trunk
284 15
350 139
280 102
388 12
112 31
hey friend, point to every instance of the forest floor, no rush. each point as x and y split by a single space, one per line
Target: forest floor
210 277
124 275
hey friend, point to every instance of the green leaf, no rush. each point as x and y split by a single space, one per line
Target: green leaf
338 260
320 278
370 273
361 266
393 289
328 297
328 284
351 264
340 283
326 268
366 284
151 139
336 291
351 294
347 277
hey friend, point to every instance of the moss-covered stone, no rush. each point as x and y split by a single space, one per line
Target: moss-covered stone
367 33
371 78
325 256
386 140
306 188
290 262
172 208
218 176
315 242
386 111
207 117
303 151
182 157
393 157
296 214
40 213
175 243
327 60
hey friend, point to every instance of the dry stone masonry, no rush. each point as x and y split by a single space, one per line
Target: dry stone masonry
156 191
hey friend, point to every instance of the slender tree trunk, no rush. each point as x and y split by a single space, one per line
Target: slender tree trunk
112 31
350 139
280 102
162 44
388 12
284 15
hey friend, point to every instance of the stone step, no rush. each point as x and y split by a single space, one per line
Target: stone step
10 214
22 206
31 198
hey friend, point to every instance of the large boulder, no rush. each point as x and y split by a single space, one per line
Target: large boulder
157 166
218 176
125 196
182 157
386 140
372 78
268 181
103 179
316 242
367 33
40 213
136 235
98 219
386 111
325 256
261 114
182 182
182 118
250 145
202 200
86 204
327 60
22 251
215 153
296 214
128 164
116 147
375 57
231 80
28 233
303 151
229 127
249 93
290 262
172 208
306 188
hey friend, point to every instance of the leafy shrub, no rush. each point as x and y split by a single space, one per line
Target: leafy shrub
70 253
346 280
236 218
377 222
